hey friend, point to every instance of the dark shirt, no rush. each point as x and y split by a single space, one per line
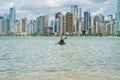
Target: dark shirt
61 40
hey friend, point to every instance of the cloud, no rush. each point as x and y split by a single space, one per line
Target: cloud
100 11
104 8
99 1
37 7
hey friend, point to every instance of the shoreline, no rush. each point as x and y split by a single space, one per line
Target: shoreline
59 36
65 76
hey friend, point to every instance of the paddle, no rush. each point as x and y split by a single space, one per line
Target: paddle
65 38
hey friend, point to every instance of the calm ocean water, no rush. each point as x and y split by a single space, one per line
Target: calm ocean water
41 55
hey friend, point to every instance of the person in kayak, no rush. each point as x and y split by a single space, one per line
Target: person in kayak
61 40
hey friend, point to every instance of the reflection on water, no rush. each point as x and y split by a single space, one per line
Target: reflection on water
40 55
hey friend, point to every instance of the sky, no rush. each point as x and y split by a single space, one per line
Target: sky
34 8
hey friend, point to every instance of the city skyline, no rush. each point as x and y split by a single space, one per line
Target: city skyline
76 20
31 9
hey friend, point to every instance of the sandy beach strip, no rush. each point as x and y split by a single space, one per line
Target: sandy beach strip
70 76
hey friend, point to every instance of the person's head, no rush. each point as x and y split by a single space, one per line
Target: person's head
61 37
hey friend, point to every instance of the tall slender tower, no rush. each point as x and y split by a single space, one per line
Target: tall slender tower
56 27
12 14
87 21
117 22
80 13
77 13
12 17
38 22
74 10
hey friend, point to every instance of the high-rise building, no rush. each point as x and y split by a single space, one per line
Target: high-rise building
101 18
110 17
53 26
34 27
100 28
1 17
117 22
110 27
38 23
60 24
64 24
41 24
96 24
93 25
30 27
118 5
12 14
77 12
12 17
17 27
69 23
74 10
2 26
87 21
44 25
7 26
61 21
81 26
23 26
80 14
56 28
50 28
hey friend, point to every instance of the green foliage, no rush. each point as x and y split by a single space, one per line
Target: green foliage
35 34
